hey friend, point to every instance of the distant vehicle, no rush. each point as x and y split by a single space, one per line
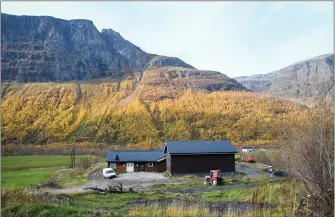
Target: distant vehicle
247 159
214 178
269 169
109 173
251 160
247 149
279 173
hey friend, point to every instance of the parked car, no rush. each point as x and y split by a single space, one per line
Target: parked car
248 149
109 173
279 173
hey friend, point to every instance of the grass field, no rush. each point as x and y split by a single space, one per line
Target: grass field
24 171
35 161
16 179
239 194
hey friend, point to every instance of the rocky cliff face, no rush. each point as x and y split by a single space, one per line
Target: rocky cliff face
308 78
42 48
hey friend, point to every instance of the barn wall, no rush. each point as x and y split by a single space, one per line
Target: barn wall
168 163
160 166
202 163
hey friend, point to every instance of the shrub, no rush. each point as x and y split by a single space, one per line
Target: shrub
87 161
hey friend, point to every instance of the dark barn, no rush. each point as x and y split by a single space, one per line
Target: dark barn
136 161
199 156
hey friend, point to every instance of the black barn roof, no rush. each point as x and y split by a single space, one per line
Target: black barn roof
200 147
135 156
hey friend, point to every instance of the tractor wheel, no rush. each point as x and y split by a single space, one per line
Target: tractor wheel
214 182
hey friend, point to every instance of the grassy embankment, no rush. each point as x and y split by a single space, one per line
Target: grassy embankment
283 198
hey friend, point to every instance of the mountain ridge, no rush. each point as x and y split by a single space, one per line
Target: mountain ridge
44 49
50 39
305 79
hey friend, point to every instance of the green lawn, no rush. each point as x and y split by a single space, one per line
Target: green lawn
35 161
15 179
23 171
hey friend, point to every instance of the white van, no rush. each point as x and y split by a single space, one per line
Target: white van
109 173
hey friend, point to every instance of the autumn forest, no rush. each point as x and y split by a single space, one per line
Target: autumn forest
47 113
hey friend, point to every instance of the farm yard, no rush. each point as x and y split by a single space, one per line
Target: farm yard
143 193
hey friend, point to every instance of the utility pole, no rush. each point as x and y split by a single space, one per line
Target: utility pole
73 157
72 154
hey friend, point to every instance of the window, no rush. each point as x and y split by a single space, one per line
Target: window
150 164
110 171
113 166
124 165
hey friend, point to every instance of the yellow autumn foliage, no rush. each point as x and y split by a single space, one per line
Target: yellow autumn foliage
47 113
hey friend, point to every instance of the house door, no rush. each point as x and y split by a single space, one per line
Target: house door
130 167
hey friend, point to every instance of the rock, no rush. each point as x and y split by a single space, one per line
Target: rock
42 48
305 79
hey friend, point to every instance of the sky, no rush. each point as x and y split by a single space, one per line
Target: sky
235 38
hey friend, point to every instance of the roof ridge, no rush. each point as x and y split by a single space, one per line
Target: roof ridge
134 150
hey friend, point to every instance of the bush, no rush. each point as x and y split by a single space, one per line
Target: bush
88 161
261 157
309 151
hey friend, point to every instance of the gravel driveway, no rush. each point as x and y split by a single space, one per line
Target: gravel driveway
247 169
128 179
136 180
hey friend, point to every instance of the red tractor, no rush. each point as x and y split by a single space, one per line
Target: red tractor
215 178
247 159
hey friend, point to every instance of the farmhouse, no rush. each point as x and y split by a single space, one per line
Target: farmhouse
199 156
177 157
135 161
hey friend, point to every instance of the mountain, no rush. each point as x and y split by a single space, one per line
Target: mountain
64 81
47 49
304 80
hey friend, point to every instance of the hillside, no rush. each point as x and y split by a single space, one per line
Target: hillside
64 81
42 113
304 80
